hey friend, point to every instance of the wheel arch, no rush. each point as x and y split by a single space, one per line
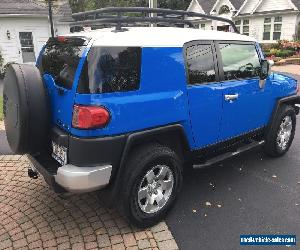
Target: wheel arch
172 136
290 100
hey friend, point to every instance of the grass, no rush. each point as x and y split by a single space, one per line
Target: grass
1 108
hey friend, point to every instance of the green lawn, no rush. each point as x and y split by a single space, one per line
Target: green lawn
1 108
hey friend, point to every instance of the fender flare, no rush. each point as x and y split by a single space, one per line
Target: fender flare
144 136
291 100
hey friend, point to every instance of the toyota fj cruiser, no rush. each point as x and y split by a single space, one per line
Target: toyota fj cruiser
126 108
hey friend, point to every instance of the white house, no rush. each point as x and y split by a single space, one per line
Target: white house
25 27
266 20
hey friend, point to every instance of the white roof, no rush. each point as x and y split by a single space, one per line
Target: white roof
157 36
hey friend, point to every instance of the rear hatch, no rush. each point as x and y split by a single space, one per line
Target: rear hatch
60 64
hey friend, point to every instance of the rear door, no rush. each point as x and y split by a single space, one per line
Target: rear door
60 64
246 104
204 92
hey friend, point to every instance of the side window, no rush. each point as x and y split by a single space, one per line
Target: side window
61 60
111 69
200 64
239 61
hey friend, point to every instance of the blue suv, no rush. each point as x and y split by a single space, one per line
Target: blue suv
126 110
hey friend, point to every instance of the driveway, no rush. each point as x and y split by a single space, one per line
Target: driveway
34 217
290 69
251 194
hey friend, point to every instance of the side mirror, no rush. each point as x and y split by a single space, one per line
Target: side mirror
265 69
271 62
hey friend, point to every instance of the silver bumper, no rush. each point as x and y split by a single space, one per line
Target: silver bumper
83 179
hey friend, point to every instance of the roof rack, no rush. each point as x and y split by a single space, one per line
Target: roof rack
141 15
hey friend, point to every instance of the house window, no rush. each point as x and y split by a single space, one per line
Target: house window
224 10
202 26
246 27
277 28
267 29
27 47
278 19
238 25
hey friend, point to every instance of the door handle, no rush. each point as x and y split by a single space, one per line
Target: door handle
231 97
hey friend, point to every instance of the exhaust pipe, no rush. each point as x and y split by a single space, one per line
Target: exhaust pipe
32 173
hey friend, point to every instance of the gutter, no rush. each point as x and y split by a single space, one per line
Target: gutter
58 19
23 15
267 13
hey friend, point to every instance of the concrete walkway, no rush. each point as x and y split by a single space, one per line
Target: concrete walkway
291 69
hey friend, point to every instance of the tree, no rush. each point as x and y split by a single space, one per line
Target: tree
174 4
84 5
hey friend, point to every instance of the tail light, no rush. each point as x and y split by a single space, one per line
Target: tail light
61 39
88 117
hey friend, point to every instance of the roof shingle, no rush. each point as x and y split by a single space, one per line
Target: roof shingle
296 3
35 7
207 5
237 3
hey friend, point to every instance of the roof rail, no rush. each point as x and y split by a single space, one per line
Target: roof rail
140 15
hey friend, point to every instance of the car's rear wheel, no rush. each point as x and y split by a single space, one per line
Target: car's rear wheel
151 184
26 111
282 132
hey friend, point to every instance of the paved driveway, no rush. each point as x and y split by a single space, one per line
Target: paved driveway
251 194
32 216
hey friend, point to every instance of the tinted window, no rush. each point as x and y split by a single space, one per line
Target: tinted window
239 61
200 64
60 59
111 69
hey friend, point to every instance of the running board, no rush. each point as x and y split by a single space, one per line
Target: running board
225 156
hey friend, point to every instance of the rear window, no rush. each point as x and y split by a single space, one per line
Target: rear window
61 58
111 69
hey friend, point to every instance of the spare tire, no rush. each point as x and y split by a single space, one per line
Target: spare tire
25 108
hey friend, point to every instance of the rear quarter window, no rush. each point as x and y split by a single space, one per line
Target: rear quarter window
60 60
111 69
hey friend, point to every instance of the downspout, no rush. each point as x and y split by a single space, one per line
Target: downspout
51 18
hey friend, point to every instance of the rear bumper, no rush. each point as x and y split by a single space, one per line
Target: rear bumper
79 179
92 162
69 177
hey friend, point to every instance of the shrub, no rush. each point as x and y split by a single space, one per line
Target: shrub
3 69
294 45
280 53
285 53
282 48
266 47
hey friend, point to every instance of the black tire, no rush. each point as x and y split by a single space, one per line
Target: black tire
140 162
272 147
26 111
